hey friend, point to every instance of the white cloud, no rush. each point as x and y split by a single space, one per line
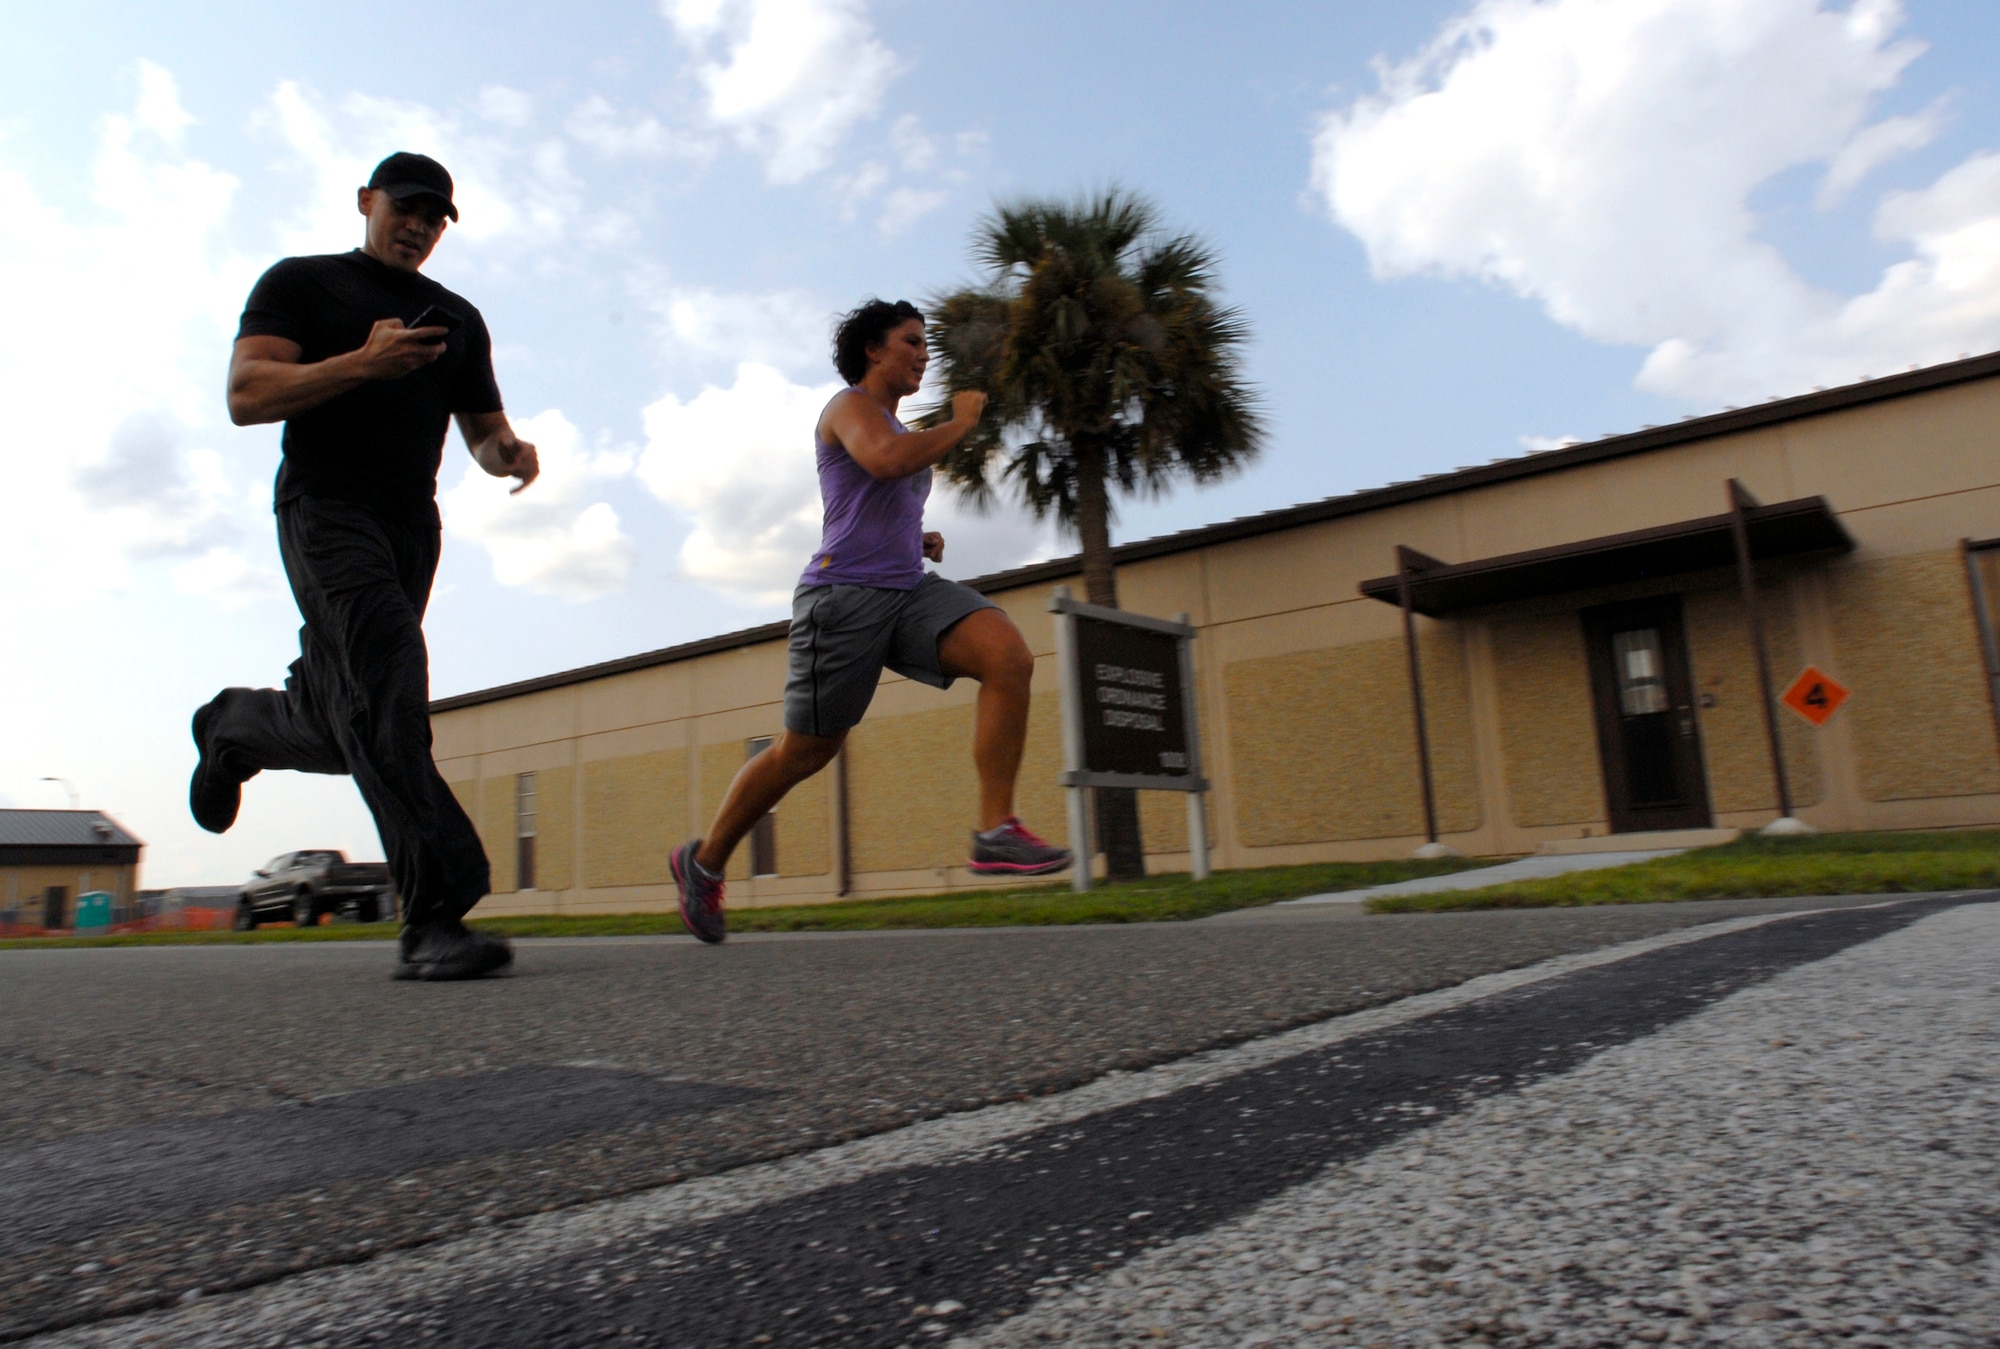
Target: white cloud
548 538
1874 146
787 329
739 462
913 146
917 152
156 498
600 126
1599 156
1947 298
159 107
977 545
788 78
228 578
508 107
510 189
853 190
905 206
113 480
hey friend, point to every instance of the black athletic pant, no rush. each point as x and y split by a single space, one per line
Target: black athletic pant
358 697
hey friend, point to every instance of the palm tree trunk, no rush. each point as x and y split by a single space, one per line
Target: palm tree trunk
1118 836
1093 529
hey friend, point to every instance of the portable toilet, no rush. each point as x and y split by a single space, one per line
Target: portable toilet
93 911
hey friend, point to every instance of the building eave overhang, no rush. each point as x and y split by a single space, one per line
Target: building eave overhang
1804 527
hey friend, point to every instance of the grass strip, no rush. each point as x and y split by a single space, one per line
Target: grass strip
1156 899
1750 868
208 937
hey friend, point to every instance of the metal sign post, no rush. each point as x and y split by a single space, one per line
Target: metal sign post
1128 710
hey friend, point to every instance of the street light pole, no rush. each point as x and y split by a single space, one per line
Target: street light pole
68 787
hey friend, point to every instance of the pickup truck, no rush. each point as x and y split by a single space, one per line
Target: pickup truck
306 886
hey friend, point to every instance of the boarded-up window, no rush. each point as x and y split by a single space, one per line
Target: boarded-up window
524 831
1982 565
763 834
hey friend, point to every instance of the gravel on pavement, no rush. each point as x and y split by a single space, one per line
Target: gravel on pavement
1815 1160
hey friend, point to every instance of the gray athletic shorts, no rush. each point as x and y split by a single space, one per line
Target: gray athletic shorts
843 635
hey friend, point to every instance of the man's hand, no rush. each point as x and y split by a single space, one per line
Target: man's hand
966 407
497 449
268 382
934 541
393 351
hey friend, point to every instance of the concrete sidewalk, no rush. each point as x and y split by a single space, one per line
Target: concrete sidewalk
1525 869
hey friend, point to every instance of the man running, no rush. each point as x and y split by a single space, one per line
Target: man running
865 602
327 346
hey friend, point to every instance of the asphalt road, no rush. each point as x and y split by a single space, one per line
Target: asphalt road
186 1121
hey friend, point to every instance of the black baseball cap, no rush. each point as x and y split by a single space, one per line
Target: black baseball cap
404 175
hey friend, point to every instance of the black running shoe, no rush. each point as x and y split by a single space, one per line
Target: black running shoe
450 950
1012 849
701 894
214 793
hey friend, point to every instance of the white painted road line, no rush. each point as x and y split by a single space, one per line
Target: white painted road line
1522 869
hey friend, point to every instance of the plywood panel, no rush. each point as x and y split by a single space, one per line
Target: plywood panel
1546 733
805 827
635 810
1734 744
555 826
911 792
1324 742
1908 649
719 764
496 831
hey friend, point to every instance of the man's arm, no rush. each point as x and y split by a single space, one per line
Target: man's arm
497 449
268 382
862 430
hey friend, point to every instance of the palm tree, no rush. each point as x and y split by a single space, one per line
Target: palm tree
1107 364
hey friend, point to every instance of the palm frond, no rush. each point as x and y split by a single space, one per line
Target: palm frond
1101 347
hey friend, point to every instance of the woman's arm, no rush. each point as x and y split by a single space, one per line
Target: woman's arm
861 429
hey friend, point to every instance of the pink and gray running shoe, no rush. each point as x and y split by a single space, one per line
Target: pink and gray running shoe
1012 849
701 894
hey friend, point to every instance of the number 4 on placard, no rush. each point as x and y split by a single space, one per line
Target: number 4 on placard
1815 695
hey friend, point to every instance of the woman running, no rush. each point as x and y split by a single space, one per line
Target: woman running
865 602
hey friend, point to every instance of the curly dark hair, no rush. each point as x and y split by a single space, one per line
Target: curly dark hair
866 327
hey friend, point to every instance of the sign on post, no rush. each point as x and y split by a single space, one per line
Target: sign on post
1814 695
1128 711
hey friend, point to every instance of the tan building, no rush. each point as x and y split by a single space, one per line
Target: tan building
49 857
1584 651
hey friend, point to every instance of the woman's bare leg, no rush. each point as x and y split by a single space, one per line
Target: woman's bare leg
986 646
760 785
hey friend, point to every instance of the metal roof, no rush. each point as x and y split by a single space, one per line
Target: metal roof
63 829
1653 438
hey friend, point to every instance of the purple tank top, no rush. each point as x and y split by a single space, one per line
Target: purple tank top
874 532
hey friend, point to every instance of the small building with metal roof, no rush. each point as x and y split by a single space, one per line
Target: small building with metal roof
49 857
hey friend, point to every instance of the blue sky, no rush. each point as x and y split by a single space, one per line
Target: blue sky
1457 231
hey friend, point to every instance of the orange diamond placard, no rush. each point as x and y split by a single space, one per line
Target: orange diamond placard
1815 695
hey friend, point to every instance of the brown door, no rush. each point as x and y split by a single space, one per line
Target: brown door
1646 731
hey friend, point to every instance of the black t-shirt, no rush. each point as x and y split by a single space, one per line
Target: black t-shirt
378 445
